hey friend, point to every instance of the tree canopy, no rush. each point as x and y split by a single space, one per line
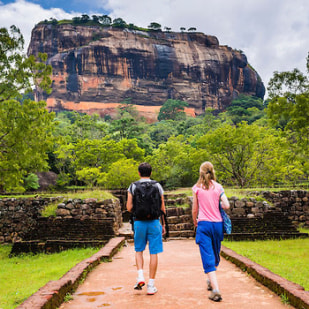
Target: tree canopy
25 125
172 109
251 143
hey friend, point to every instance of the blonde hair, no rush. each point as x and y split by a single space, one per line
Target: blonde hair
207 174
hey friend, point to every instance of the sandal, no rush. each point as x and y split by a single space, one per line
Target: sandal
215 296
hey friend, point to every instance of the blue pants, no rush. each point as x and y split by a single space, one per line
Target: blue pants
209 236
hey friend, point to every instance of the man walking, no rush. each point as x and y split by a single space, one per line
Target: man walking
146 202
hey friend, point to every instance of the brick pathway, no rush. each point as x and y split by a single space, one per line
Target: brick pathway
180 282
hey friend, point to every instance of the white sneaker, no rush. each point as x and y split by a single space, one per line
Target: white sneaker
151 290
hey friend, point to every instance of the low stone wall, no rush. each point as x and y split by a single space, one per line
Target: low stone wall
251 219
92 209
294 204
17 216
180 222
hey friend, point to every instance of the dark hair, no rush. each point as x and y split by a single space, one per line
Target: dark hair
145 169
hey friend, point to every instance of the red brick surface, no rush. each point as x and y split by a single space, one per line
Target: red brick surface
52 294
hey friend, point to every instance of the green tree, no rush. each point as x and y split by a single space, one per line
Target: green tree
95 19
18 73
119 23
105 20
172 109
176 163
249 154
160 132
25 125
121 174
31 182
288 109
89 175
154 26
73 126
246 108
85 18
131 150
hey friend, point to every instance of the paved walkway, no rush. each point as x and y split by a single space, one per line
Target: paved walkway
180 282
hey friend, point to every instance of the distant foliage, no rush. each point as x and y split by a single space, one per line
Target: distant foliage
106 21
25 125
31 182
173 110
251 143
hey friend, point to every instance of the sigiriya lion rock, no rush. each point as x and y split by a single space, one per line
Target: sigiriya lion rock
96 68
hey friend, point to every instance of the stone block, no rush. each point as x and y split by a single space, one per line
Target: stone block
63 212
69 206
239 204
239 212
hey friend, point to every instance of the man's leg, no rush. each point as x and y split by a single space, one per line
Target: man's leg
155 247
140 241
140 274
153 265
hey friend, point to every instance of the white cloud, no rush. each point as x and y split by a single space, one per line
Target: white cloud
274 34
25 15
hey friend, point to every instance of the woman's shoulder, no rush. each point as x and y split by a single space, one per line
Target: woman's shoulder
196 187
218 186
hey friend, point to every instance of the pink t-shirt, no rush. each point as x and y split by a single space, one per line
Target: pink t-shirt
208 202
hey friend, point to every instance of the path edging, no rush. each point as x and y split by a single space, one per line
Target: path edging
53 293
297 296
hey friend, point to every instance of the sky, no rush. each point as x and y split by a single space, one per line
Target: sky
273 34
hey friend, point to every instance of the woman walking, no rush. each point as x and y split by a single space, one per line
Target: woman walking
207 194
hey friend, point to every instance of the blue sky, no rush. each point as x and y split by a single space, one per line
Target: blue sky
273 34
67 6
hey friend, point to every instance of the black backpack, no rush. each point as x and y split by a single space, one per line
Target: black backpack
146 200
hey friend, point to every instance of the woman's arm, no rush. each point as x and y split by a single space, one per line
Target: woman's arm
225 202
195 209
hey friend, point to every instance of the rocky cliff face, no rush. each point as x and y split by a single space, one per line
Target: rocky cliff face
95 66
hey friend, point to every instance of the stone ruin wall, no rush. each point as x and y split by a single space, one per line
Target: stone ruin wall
17 216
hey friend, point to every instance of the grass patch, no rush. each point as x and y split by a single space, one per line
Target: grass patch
76 194
50 209
23 275
240 193
286 258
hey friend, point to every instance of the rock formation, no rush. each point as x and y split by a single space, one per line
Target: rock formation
96 68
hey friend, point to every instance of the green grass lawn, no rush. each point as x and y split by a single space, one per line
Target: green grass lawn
286 258
22 276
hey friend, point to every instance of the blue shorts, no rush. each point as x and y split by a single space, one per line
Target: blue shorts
209 236
148 231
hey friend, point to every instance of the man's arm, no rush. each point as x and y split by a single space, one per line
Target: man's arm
162 203
129 202
162 217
